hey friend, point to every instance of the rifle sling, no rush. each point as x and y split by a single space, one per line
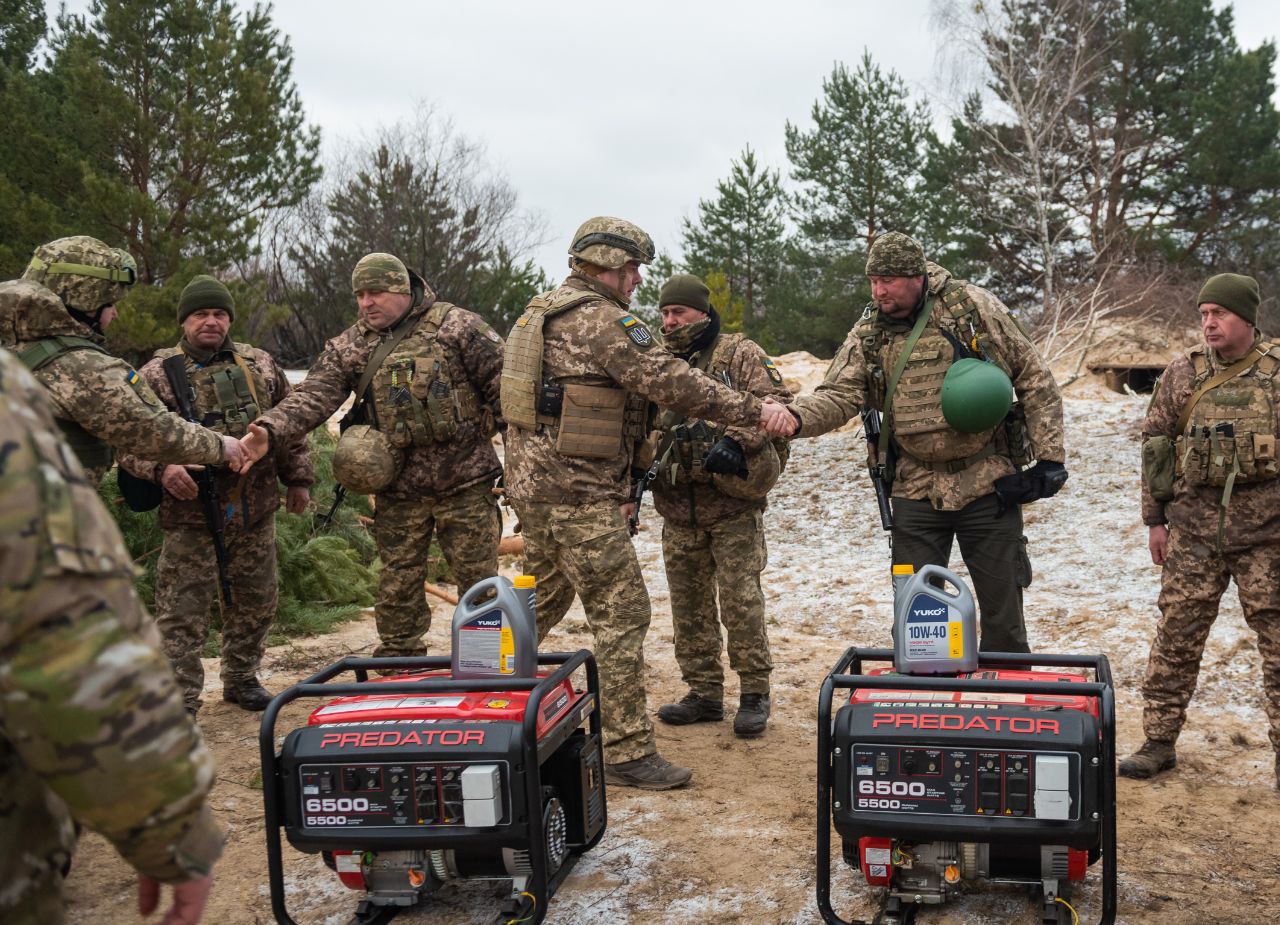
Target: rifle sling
377 358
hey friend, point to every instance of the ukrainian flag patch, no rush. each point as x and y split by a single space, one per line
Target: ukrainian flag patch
774 375
636 330
132 377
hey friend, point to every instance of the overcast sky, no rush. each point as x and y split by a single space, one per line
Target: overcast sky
633 110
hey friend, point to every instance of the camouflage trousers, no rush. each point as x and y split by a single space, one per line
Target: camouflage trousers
468 527
1192 584
186 588
718 564
585 549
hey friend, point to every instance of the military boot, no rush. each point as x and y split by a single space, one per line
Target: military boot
1152 758
692 708
753 714
249 696
652 772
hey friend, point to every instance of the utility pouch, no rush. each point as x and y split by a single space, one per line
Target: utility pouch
591 422
1264 451
550 400
1017 437
1158 467
436 403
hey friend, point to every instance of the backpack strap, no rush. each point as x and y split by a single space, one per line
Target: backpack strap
45 351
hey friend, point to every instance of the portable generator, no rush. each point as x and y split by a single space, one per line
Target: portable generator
1003 774
403 783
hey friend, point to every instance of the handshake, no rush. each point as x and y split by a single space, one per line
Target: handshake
240 454
776 419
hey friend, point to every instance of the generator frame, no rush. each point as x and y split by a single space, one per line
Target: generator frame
847 675
533 752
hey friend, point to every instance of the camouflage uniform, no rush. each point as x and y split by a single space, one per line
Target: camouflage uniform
1197 570
186 579
936 502
92 729
713 545
99 401
575 537
443 486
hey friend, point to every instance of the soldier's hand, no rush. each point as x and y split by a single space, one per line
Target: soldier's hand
178 482
256 443
233 455
297 499
1158 543
777 419
628 510
726 458
189 899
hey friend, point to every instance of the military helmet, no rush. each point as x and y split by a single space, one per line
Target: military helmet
378 272
364 460
976 395
763 470
83 271
610 243
893 253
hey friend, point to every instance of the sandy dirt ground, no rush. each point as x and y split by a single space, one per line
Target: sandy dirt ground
1196 846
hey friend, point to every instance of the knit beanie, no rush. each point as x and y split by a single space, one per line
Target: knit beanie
1237 294
685 289
205 292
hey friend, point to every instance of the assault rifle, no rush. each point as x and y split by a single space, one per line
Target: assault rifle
877 467
175 369
637 497
339 495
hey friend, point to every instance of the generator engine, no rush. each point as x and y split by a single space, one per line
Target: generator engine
416 779
1003 774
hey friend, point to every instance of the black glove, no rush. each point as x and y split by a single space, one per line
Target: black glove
726 458
1043 480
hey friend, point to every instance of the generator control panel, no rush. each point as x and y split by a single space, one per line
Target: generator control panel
964 782
402 794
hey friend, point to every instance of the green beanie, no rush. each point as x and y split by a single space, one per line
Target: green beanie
205 292
686 289
895 254
1237 294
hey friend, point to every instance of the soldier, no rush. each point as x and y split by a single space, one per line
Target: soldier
426 379
229 385
92 730
936 355
578 370
710 488
54 318
1211 502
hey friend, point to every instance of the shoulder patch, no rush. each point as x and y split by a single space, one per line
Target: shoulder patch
774 375
637 331
131 377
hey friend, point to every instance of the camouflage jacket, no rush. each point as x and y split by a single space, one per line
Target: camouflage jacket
87 702
430 470
1253 512
693 500
248 499
601 343
97 392
848 388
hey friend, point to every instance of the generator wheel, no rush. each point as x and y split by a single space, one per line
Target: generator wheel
555 829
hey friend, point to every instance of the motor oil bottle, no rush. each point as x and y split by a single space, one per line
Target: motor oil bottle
935 628
496 637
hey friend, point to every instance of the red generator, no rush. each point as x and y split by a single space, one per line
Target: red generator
405 782
1004 774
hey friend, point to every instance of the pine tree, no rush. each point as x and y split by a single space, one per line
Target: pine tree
740 233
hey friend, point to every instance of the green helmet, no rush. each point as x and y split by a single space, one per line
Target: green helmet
610 243
976 395
83 272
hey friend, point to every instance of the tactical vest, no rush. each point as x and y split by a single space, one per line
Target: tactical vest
915 420
421 394
1232 434
684 445
94 454
589 421
230 394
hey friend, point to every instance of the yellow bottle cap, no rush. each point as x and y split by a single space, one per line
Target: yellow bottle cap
524 581
904 569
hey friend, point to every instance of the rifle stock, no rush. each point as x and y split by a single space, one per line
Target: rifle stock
877 467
